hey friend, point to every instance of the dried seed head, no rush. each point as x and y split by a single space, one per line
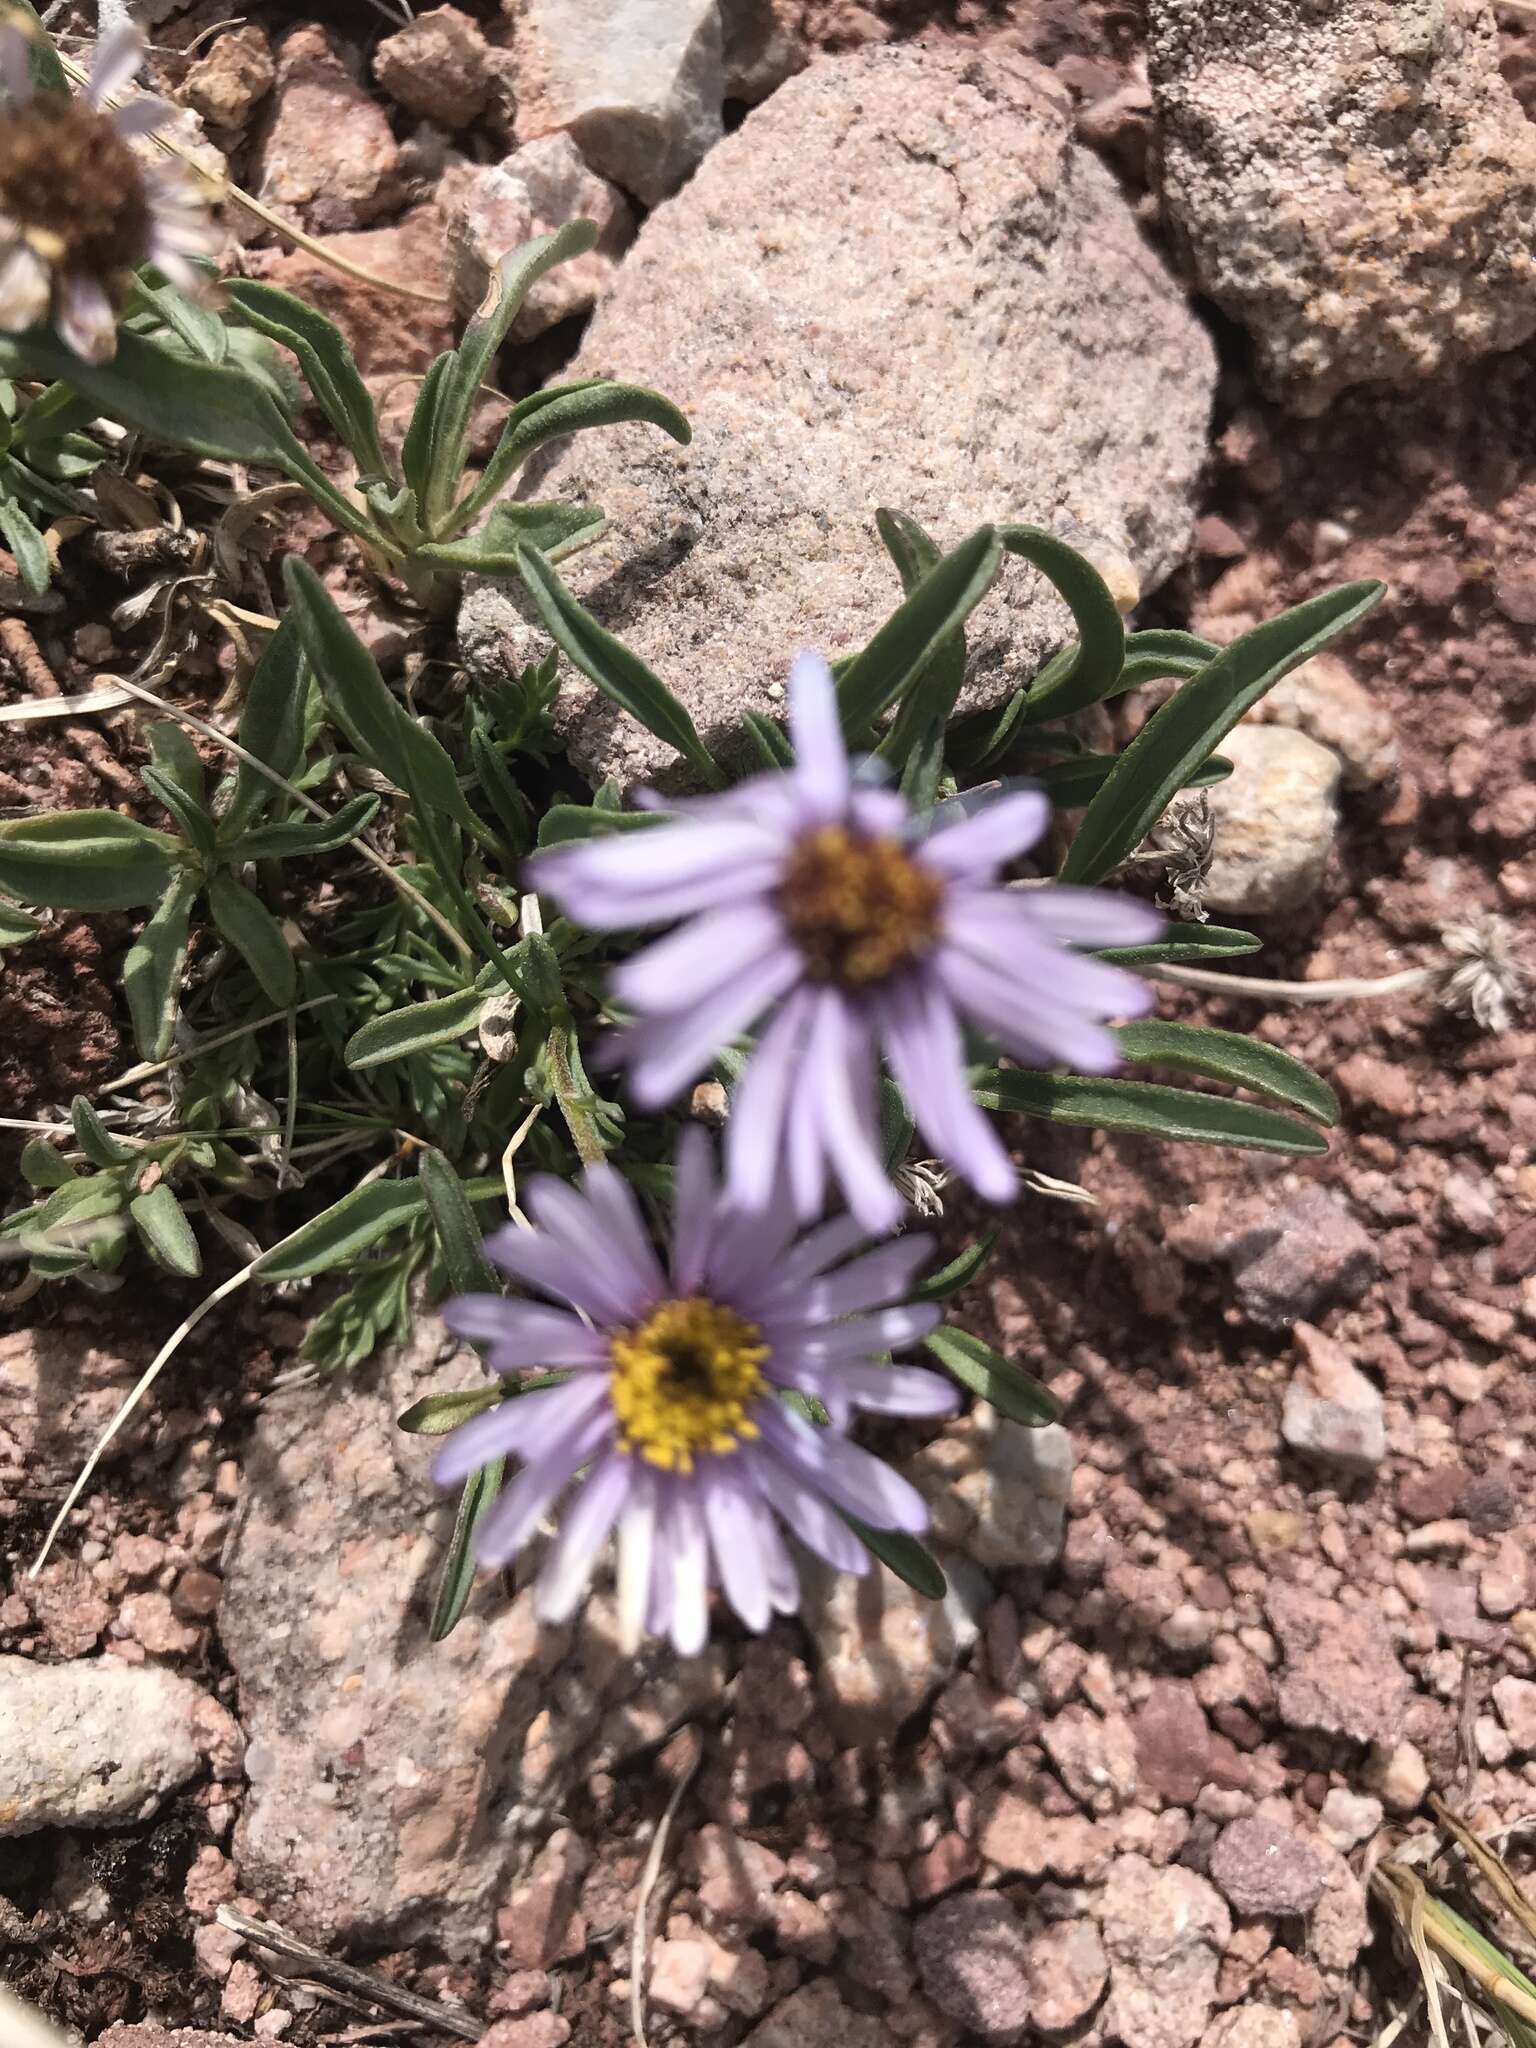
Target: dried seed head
1484 977
1185 841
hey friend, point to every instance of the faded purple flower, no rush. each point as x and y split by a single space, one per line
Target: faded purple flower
817 910
672 1408
80 210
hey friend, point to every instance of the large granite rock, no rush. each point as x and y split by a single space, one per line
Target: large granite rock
1357 182
397 1786
899 283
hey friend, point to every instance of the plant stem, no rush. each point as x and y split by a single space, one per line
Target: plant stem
1349 988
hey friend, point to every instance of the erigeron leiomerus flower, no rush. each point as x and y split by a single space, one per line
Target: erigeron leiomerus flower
673 1406
817 909
80 211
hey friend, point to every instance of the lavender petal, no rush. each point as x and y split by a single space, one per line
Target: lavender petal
586 1528
665 1053
517 1514
754 1136
984 842
850 1478
524 1427
691 963
821 759
524 1333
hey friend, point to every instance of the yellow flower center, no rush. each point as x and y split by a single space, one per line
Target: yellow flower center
73 187
857 908
683 1382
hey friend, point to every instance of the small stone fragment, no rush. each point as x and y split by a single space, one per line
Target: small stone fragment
327 153
1173 1740
1349 1818
1341 1672
438 66
92 1743
1275 820
639 84
1260 1867
1401 1777
536 2030
998 1492
1332 1411
974 1957
1515 1699
882 1648
1164 1931
491 209
1096 1757
150 2034
229 80
1067 1970
1300 1258
816 2017
1253 2026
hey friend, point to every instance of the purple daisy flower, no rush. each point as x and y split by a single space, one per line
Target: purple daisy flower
672 1407
819 910
80 209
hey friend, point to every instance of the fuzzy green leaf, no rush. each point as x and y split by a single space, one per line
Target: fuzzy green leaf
1181 734
910 1560
1185 942
1095 667
255 934
16 925
456 1581
85 860
327 363
416 1028
271 725
437 1414
458 1234
305 836
556 528
153 967
43 1167
162 1225
606 661
986 1373
564 822
93 1137
1146 1109
903 647
1229 1056
960 1271
421 434
547 415
27 545
344 1231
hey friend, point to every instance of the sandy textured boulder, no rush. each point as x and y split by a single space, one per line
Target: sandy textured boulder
1357 182
1276 815
398 1786
493 208
91 1743
899 283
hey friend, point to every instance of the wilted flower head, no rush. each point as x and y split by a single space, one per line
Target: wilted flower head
79 210
818 910
1485 977
673 1406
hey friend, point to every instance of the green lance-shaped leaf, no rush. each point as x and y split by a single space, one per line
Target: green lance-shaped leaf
903 647
1182 733
1095 668
1186 942
437 1414
960 1271
198 327
547 415
606 661
178 761
1162 651
365 708
162 1225
564 822
511 282
325 359
27 545
1077 781
458 1234
1229 1056
93 1137
43 1167
770 742
556 528
153 967
345 1231
912 1563
457 1579
256 935
985 1372
271 726
419 1027
16 925
47 72
921 724
1146 1109
85 860
301 837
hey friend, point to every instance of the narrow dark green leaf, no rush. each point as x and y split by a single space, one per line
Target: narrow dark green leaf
1100 628
769 740
910 1560
1162 651
1182 733
1147 1109
923 769
1078 780
913 551
368 712
547 415
93 1137
896 1124
305 836
557 528
458 1234
470 367
904 645
271 725
85 860
162 1224
327 363
437 1414
195 822
172 751
960 1271
153 967
27 545
457 1579
974 743
1229 1056
1185 942
48 73
199 328
420 435
416 1028
345 1230
255 934
606 661
986 1373
499 788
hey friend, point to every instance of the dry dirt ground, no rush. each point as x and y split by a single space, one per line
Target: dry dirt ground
1234 1631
